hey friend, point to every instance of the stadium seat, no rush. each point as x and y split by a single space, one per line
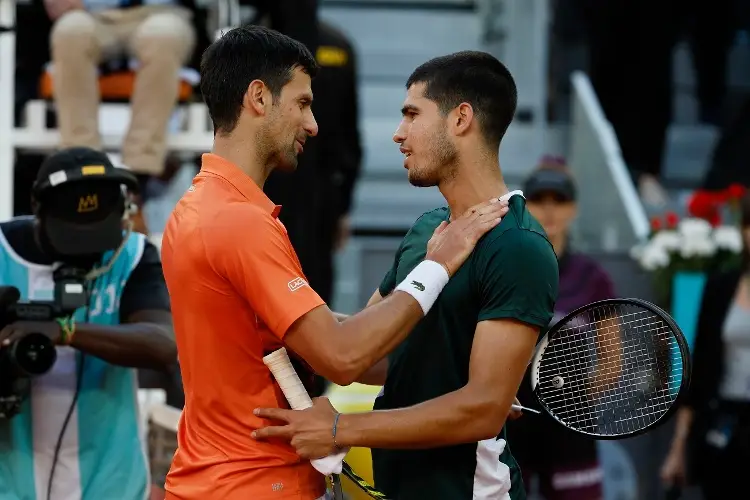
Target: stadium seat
117 85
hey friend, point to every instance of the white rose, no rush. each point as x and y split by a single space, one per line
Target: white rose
654 257
697 247
694 228
669 240
728 238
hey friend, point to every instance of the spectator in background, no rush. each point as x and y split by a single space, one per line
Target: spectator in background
317 197
568 469
158 34
711 443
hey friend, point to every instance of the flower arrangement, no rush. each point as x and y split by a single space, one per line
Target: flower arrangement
697 243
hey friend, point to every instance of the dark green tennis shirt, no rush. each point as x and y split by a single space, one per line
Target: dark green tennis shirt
512 274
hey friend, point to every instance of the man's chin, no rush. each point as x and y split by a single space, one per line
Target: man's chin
289 164
420 181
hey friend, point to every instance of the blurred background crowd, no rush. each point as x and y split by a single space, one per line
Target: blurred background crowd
633 127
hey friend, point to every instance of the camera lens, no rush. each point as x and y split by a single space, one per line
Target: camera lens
34 354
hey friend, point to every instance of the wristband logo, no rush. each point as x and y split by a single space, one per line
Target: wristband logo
419 286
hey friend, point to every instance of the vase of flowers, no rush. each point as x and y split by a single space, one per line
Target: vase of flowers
680 253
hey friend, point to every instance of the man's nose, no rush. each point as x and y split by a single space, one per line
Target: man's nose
399 135
311 126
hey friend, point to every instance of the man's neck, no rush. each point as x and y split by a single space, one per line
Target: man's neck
474 183
244 154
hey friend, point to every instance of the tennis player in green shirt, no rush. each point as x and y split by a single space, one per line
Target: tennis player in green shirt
437 431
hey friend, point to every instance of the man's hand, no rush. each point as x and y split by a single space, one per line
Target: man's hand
310 431
452 243
20 329
515 414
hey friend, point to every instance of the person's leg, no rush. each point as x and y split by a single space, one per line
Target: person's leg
78 42
160 43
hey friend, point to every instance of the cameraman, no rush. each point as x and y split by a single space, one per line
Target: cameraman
77 434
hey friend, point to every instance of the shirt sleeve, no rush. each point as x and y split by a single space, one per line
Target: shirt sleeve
518 278
261 266
388 284
145 289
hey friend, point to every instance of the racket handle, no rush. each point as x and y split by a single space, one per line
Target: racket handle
298 398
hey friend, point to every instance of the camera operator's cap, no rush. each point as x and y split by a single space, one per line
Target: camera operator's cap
550 180
80 194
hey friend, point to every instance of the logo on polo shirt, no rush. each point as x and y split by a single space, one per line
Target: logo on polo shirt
296 284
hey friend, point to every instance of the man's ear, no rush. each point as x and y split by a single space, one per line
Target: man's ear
257 98
461 118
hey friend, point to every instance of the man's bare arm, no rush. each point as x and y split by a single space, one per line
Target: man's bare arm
501 351
342 351
375 375
357 343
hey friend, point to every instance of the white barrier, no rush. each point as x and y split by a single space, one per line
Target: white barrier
611 216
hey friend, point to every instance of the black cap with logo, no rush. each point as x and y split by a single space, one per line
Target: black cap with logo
81 201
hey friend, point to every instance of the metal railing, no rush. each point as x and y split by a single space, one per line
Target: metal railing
611 217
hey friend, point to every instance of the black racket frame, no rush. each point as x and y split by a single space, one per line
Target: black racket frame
681 342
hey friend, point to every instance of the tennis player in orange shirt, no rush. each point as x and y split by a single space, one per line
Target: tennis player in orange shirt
237 289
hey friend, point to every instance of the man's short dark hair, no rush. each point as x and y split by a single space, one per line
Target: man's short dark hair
240 56
474 77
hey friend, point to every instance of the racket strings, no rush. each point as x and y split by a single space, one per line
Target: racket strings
612 370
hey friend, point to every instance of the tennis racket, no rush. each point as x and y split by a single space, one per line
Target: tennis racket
611 369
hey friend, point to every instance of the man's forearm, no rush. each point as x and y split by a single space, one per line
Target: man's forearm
134 345
457 417
367 337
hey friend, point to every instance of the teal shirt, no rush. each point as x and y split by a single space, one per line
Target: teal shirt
511 274
103 453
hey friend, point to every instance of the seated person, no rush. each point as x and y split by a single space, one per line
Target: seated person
158 34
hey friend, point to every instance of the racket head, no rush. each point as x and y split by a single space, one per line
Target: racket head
612 369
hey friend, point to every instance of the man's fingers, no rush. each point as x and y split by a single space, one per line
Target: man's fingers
273 413
440 228
479 207
278 432
8 335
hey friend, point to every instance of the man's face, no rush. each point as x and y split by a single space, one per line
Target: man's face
430 155
553 211
290 122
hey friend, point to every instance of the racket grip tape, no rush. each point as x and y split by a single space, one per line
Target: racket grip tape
298 398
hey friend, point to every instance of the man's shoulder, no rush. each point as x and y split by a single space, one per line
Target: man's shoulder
24 223
428 221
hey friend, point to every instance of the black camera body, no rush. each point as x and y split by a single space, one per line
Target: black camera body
34 354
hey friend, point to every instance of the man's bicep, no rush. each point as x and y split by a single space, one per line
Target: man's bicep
265 271
309 335
500 353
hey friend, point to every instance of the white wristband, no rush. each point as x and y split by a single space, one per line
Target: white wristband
425 282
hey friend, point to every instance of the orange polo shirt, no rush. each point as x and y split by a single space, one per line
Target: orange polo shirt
236 286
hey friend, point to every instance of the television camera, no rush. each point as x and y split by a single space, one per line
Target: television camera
34 354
